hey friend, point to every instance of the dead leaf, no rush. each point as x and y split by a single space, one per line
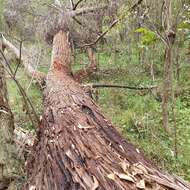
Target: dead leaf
141 184
136 171
125 177
111 176
138 151
121 148
141 167
84 127
124 166
32 187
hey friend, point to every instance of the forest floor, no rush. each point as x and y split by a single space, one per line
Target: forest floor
137 114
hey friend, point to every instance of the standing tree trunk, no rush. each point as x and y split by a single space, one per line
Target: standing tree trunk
90 68
9 164
167 86
168 66
77 147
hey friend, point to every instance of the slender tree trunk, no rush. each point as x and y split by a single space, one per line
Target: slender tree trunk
178 64
168 65
77 147
167 87
9 164
89 69
152 70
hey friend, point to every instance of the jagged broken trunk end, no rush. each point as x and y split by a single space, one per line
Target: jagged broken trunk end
77 147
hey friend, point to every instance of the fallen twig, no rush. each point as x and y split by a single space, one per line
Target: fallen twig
121 86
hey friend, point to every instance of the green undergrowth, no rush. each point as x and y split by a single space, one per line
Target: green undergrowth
138 114
18 107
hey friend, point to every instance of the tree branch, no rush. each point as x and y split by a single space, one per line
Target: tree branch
122 86
77 4
86 10
113 24
26 99
103 34
20 59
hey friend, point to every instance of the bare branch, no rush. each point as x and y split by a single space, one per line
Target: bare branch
77 4
85 10
26 99
122 86
85 26
113 24
20 59
103 34
135 5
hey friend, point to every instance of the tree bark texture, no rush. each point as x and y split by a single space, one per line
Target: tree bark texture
9 163
168 64
78 148
167 86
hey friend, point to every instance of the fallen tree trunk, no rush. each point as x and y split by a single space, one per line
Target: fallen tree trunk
31 71
77 147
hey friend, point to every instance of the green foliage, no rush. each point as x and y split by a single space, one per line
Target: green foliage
1 14
148 37
185 25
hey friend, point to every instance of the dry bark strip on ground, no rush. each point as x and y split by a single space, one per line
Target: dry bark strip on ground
77 147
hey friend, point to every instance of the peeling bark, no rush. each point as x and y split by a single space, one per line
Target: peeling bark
78 147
